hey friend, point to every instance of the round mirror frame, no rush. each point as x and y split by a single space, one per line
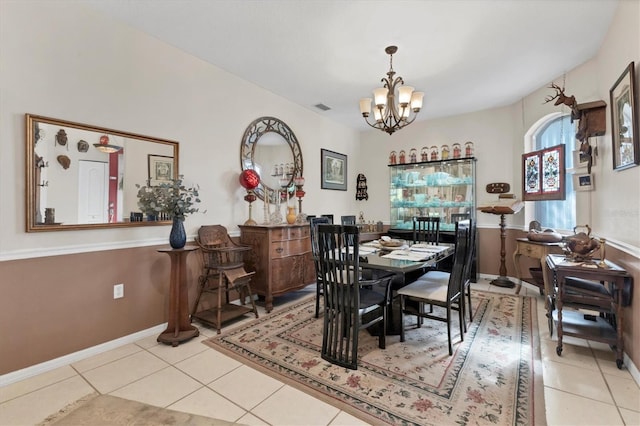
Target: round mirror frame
252 134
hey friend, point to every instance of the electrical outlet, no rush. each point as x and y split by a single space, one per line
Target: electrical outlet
118 291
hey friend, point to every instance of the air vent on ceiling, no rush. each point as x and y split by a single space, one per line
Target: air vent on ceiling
323 107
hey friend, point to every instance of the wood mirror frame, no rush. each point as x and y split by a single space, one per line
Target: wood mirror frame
284 149
58 152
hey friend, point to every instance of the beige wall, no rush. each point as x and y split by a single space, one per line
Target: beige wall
63 61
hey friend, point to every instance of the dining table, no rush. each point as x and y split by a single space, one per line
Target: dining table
407 262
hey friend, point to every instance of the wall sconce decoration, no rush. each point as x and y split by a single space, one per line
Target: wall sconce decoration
83 146
61 137
64 161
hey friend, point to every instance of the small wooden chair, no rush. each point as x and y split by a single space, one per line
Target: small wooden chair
223 271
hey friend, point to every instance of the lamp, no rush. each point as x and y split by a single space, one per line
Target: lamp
105 146
391 116
249 179
298 181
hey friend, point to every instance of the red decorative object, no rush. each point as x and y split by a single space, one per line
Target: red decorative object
249 179
104 139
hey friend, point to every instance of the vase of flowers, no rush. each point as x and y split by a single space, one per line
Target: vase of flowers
172 199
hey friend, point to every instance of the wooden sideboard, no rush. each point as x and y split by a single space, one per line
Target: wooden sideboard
281 258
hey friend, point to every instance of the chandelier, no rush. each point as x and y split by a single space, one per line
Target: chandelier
391 116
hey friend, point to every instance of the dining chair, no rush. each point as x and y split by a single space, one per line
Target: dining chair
468 266
426 229
350 302
313 232
329 216
348 220
438 288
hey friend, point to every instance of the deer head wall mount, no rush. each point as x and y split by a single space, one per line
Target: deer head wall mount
591 116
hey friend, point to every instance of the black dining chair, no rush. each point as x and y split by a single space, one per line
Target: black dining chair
315 253
426 229
329 216
348 220
438 288
350 302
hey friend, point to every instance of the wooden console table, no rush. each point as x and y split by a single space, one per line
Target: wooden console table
537 250
179 328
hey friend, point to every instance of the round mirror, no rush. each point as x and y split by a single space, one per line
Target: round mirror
271 148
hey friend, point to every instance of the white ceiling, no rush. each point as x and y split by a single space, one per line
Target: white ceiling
466 55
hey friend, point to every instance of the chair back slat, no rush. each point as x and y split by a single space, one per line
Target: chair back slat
426 229
456 277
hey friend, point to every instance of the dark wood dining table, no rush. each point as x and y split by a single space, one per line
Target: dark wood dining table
405 272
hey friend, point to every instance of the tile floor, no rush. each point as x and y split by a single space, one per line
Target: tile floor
583 387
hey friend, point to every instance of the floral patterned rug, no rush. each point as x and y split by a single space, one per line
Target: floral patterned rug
493 378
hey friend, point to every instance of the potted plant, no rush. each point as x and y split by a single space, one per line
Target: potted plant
173 199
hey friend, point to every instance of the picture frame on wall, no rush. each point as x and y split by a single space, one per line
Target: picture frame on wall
581 159
624 121
333 170
583 182
160 169
543 174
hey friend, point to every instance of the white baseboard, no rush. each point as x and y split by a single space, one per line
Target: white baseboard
34 370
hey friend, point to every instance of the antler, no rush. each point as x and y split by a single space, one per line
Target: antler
559 91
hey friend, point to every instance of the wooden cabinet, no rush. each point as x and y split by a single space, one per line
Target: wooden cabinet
281 258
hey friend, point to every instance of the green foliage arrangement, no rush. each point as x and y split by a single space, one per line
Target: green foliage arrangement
171 197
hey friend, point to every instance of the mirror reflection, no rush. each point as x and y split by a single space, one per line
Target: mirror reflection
271 148
82 177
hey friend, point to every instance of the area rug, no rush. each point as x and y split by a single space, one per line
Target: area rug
494 377
107 410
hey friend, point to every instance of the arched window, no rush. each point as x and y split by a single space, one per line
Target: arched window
554 130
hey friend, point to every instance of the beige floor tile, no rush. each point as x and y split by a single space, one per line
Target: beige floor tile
579 356
34 407
246 386
161 388
178 353
625 392
278 409
114 375
571 410
251 420
606 359
207 366
630 417
106 357
148 342
576 380
346 419
36 382
206 402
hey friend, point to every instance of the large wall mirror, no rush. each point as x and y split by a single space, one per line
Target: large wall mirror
271 148
84 177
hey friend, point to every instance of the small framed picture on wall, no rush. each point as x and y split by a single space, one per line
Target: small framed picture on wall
583 182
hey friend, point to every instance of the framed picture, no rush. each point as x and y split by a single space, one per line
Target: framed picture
624 121
333 168
160 169
583 182
581 159
543 174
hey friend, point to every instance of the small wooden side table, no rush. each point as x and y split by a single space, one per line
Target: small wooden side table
573 323
537 250
179 328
